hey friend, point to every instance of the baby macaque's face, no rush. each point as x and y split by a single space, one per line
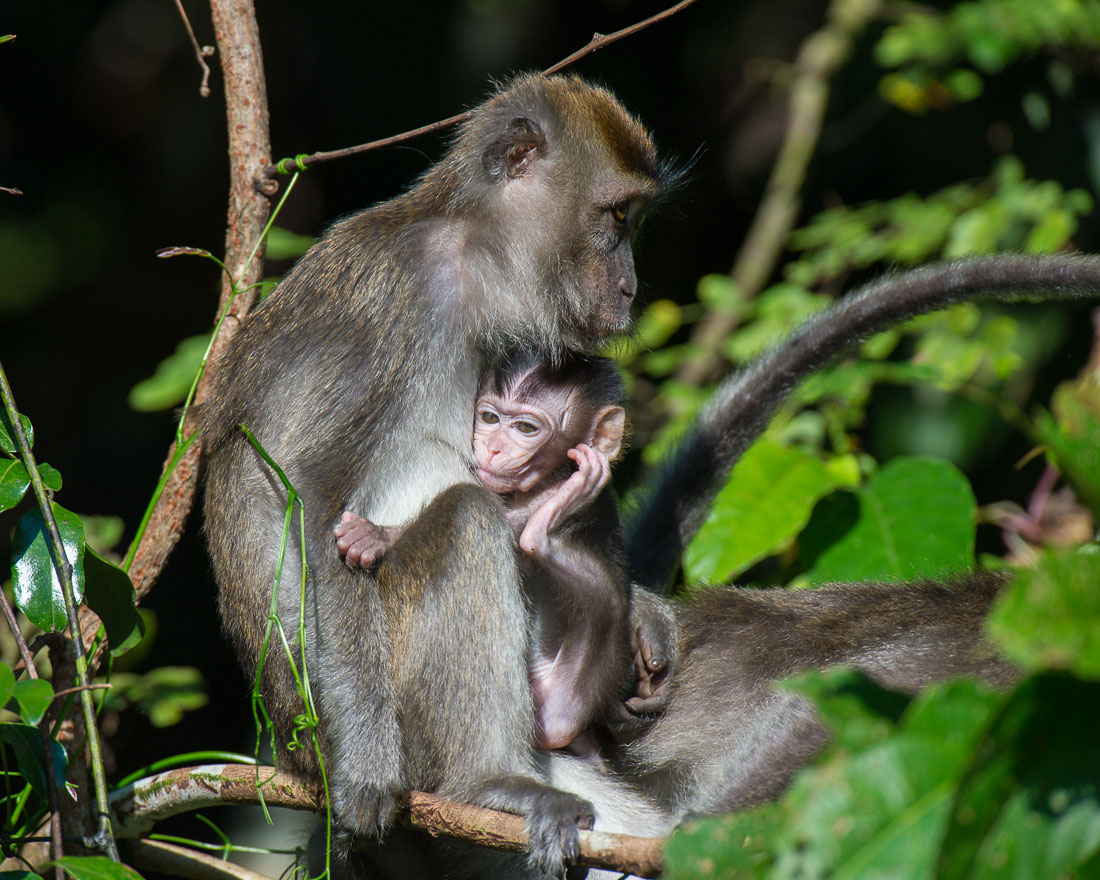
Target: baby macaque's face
519 444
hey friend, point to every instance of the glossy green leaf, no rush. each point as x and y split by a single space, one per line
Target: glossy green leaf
50 475
169 384
95 868
916 519
1049 617
767 500
37 589
14 481
7 435
1028 805
26 741
7 683
110 594
33 695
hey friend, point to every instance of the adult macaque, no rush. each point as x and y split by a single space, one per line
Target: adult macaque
545 433
358 375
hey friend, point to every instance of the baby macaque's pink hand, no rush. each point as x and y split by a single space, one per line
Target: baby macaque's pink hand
361 542
571 497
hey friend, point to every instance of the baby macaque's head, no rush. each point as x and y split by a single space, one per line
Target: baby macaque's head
531 412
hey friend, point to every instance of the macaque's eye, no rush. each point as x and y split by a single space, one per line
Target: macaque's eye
489 417
620 212
527 428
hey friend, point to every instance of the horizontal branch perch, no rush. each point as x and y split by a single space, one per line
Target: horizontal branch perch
138 807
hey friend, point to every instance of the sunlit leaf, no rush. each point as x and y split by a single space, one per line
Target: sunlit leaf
51 476
7 435
767 500
916 518
37 589
14 481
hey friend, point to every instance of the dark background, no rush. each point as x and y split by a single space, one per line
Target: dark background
102 127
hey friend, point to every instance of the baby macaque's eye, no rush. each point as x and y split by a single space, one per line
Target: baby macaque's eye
527 428
490 418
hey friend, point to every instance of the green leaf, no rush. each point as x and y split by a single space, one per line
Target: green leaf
37 590
727 846
18 875
14 481
7 435
26 742
916 519
110 594
50 475
1050 616
1075 437
1028 807
767 501
7 683
282 244
172 379
94 868
34 696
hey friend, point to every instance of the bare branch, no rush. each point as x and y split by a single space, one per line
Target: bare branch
249 151
14 190
138 807
598 41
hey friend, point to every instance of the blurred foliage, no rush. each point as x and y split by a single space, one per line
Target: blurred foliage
163 694
928 48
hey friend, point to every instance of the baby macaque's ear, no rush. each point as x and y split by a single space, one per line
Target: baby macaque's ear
607 434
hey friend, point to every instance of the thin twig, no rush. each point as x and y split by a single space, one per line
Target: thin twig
64 570
201 52
14 190
598 41
819 58
138 807
88 687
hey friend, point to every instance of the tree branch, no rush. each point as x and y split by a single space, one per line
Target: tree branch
249 151
598 41
138 807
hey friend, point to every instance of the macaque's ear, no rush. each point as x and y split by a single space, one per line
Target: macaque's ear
607 435
514 152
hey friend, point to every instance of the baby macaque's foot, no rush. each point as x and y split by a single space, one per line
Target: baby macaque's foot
361 542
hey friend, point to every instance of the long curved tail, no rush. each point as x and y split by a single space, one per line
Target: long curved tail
681 490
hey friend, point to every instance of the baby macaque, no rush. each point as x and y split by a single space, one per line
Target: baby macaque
544 436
